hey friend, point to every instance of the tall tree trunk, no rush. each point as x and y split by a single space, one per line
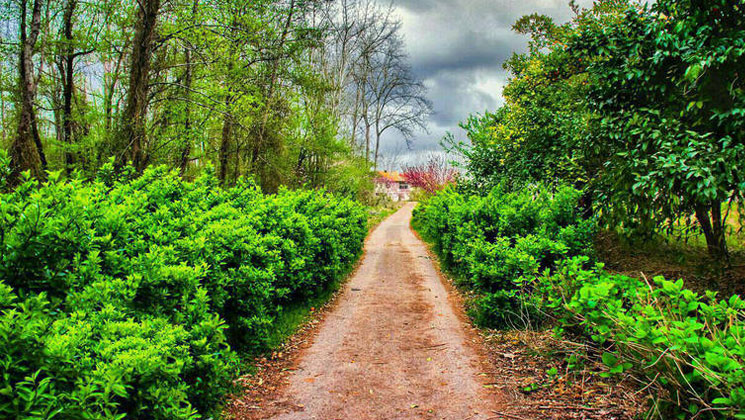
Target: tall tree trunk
367 124
186 151
377 142
26 151
355 121
132 130
227 128
113 146
259 143
585 203
3 125
109 93
300 172
237 162
227 121
710 218
68 86
367 135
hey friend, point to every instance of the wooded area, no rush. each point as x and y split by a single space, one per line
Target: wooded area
622 132
291 92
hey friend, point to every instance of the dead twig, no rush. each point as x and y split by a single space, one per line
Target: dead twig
511 416
431 347
567 407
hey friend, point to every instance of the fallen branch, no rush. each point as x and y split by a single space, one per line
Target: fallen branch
567 407
511 416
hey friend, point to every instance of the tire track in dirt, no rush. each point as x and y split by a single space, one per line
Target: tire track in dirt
394 346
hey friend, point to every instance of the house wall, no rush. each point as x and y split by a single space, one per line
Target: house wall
396 191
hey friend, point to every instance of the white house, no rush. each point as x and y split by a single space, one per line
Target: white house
393 185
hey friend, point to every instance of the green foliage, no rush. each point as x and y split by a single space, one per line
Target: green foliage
537 136
669 108
524 257
641 107
270 102
689 345
4 170
493 243
128 298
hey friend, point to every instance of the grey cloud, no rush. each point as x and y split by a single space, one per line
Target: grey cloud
457 48
468 50
455 94
500 12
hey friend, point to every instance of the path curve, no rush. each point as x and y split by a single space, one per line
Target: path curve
394 346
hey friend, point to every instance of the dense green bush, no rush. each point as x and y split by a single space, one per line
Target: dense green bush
128 298
511 250
493 243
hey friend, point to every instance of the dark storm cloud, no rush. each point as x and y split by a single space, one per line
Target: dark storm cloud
502 12
457 48
467 50
457 93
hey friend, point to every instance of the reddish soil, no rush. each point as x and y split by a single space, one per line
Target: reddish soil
395 344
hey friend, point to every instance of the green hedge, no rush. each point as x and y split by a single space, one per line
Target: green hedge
130 298
493 243
524 252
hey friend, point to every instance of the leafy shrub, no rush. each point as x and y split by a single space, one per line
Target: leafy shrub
127 297
5 171
690 345
503 309
494 242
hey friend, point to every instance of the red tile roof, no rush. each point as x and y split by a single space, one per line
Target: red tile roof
392 176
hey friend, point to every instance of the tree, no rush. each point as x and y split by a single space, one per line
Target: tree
538 135
132 124
72 47
398 98
364 59
357 30
641 107
256 88
669 102
432 176
27 151
188 77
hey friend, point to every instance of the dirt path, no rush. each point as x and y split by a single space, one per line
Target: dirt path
393 347
394 344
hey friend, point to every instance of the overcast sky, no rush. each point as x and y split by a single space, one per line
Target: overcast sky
457 48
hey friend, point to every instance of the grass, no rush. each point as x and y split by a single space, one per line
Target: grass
675 258
681 253
296 314
380 213
687 235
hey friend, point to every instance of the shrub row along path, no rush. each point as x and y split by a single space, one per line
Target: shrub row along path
395 346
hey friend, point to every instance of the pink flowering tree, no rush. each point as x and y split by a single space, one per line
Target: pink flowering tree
432 176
